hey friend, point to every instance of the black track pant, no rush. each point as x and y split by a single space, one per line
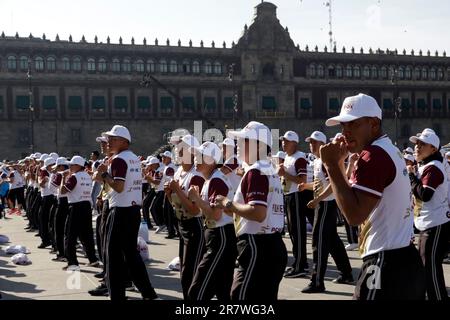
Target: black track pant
170 220
51 222
262 260
192 248
156 208
149 196
392 275
214 275
44 218
327 241
352 233
121 254
61 214
28 197
79 225
36 207
297 213
433 246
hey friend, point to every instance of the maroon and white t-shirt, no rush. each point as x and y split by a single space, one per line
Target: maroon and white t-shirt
45 176
79 185
56 182
296 165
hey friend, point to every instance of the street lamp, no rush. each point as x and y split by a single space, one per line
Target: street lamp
235 94
30 106
397 101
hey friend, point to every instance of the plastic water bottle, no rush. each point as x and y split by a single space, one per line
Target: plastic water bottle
143 231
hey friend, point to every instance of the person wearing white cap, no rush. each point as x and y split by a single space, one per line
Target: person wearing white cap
47 202
54 155
190 221
62 209
431 210
16 191
325 239
377 197
77 183
151 166
409 159
123 175
408 150
259 218
214 275
293 171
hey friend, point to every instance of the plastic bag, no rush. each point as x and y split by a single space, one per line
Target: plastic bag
3 239
16 249
143 231
20 259
143 249
174 265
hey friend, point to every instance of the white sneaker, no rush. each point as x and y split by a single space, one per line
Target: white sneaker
351 246
160 229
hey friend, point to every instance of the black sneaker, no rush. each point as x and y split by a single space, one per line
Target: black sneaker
291 273
101 290
344 279
43 245
59 259
171 236
100 275
311 288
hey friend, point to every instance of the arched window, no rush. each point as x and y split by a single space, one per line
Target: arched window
217 68
163 66
139 66
39 64
51 64
424 73
186 66
150 65
401 73
115 65
417 73
320 71
196 67
312 71
349 72
357 72
366 72
126 65
65 64
374 72
76 64
440 74
23 63
339 71
102 65
12 63
208 67
408 73
91 65
173 66
433 74
384 72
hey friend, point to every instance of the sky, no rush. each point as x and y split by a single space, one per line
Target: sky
401 24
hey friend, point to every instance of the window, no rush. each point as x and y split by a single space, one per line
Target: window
49 102
23 63
384 72
374 72
349 72
312 71
12 63
166 104
22 102
408 73
417 73
102 65
406 103
433 74
357 72
387 103
126 65
320 71
139 66
65 64
76 64
333 104
437 104
421 103
209 104
440 74
305 103
424 73
98 103
143 103
121 103
366 72
186 66
269 103
150 66
173 66
39 64
51 64
163 66
115 66
217 68
91 65
228 104
331 72
401 73
188 104
339 71
196 67
208 67
75 103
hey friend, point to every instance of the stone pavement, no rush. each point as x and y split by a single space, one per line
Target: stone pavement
45 279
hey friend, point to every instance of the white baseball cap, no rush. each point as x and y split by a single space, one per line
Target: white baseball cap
152 160
190 141
77 160
210 149
290 136
317 136
166 154
280 154
227 142
254 131
118 131
409 157
54 155
356 107
409 150
61 161
101 139
447 154
48 162
43 157
36 155
427 136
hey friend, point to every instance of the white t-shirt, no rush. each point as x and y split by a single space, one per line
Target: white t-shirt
18 180
261 185
45 189
321 181
167 173
79 185
381 172
296 165
56 183
126 166
217 184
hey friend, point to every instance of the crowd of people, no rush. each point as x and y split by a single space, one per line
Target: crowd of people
230 205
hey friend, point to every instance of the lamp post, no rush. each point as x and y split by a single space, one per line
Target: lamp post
30 106
235 94
397 101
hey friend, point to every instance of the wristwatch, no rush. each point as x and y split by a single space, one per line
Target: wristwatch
229 204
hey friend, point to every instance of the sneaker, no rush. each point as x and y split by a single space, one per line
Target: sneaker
59 259
53 251
43 245
160 229
171 236
94 264
72 267
101 290
295 274
311 288
344 279
100 275
351 246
